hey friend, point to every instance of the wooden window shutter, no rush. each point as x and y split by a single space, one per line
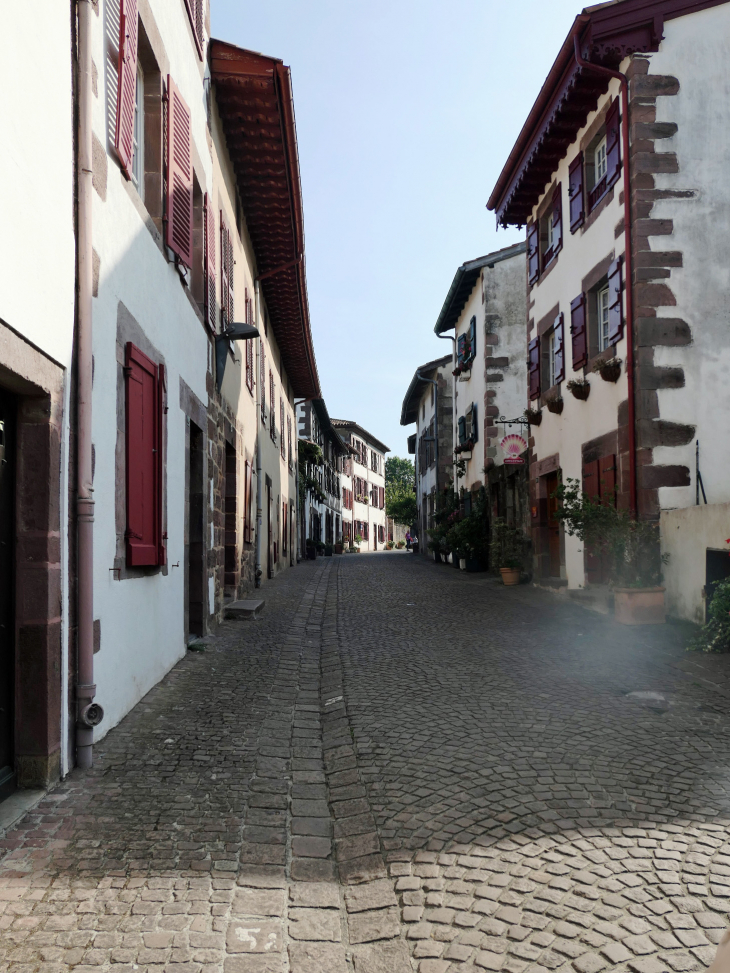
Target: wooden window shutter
578 331
231 310
462 429
179 213
533 365
591 488
575 193
210 278
143 423
607 479
159 456
615 303
557 219
474 424
559 328
281 429
196 11
127 84
461 347
613 143
533 251
472 338
262 381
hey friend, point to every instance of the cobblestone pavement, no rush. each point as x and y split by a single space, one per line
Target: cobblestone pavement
398 767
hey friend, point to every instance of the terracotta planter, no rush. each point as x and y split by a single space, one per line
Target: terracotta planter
580 392
510 575
555 405
611 373
639 606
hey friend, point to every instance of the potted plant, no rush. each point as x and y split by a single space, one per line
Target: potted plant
468 537
507 551
555 404
320 548
609 369
533 416
580 388
631 548
328 550
358 542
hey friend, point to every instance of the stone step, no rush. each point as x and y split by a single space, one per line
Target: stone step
247 609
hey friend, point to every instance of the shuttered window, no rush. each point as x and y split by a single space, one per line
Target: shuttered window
578 332
210 277
533 364
474 432
262 380
557 220
615 303
179 190
145 402
533 251
196 14
559 349
227 304
613 143
281 427
575 193
127 85
472 338
462 430
461 348
272 407
247 504
288 440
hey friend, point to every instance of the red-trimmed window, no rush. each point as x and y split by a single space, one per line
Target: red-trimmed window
196 14
281 428
145 406
127 85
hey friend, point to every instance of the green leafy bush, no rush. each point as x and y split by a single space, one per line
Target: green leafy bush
507 548
715 633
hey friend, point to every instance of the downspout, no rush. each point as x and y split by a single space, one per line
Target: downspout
89 714
259 511
629 275
452 339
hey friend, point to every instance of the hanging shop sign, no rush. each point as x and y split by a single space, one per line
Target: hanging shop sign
512 446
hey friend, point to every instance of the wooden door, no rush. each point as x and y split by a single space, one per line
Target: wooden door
552 484
270 528
7 591
599 482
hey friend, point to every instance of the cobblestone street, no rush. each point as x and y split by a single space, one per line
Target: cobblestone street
397 767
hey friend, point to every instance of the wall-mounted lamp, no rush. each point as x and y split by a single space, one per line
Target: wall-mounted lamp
238 331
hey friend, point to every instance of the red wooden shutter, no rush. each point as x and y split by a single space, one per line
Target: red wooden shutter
225 273
559 328
231 278
262 380
615 303
607 479
210 279
179 232
557 219
592 561
533 251
382 498
578 331
159 457
247 499
127 84
575 193
195 11
534 368
143 454
613 143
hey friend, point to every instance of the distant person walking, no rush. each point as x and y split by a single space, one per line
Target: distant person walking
408 540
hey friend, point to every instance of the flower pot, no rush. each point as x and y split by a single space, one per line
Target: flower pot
556 405
639 606
580 391
534 417
610 373
510 575
328 553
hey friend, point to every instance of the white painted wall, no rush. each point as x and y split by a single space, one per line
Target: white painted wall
687 533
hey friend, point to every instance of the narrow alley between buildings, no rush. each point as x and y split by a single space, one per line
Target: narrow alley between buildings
397 767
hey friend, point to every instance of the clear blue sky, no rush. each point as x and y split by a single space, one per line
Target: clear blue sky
406 112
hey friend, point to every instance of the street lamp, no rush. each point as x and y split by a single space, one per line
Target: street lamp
238 331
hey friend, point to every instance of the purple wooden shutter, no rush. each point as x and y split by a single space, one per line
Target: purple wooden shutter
613 143
210 281
473 338
534 368
127 86
533 251
557 219
461 348
559 328
142 458
575 193
615 303
578 331
179 232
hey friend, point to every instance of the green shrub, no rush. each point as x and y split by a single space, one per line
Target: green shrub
715 634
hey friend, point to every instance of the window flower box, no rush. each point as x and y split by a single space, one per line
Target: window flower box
555 404
533 416
579 388
609 369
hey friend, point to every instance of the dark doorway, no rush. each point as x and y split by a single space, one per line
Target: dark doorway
231 545
196 546
717 569
269 526
7 591
552 483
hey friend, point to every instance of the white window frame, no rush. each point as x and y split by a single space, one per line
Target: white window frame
552 348
138 134
550 231
602 317
600 162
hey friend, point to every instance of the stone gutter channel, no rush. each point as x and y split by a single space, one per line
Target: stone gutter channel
312 881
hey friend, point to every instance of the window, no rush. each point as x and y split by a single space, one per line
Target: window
602 318
226 275
138 135
179 177
144 434
603 157
599 161
196 13
552 346
551 229
281 427
272 407
288 440
249 344
553 360
262 380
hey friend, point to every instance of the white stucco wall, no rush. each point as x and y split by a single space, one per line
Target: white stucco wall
687 533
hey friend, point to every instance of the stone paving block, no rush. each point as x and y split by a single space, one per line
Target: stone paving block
319 827
311 847
248 964
314 925
317 958
356 846
324 895
388 957
371 895
365 869
254 936
366 927
258 902
312 870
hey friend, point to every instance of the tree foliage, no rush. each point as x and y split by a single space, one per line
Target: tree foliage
399 470
400 503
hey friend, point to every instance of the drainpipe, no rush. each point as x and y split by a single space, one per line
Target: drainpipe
89 714
259 511
629 275
452 339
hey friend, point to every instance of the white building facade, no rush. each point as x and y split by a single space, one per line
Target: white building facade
367 457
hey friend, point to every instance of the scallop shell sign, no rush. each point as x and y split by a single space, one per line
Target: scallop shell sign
512 446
